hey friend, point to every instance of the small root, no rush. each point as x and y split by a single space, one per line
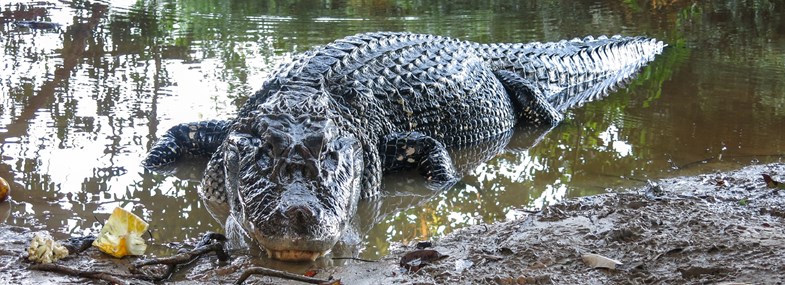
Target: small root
207 245
281 274
99 275
354 258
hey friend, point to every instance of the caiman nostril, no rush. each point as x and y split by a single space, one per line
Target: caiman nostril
302 152
299 213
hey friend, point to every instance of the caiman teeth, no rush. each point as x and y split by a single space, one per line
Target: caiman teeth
293 255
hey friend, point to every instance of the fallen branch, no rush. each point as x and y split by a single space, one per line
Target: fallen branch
281 274
205 246
100 275
186 257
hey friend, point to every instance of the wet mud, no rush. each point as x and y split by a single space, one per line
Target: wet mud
711 228
724 227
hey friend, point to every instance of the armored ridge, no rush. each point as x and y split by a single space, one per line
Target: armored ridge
576 71
289 169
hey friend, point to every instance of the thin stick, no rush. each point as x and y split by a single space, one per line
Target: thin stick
280 274
186 257
354 258
172 262
100 275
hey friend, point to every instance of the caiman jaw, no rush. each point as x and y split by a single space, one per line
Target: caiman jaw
293 255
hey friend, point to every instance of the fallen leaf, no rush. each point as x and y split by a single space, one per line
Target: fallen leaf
599 261
311 273
423 245
771 183
415 260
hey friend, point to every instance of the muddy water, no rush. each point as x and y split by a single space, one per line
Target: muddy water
82 102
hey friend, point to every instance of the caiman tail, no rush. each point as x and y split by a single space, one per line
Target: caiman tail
570 73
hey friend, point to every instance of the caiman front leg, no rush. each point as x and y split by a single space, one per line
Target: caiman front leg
196 138
213 187
534 107
416 150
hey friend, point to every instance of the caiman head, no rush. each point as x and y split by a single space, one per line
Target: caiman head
293 182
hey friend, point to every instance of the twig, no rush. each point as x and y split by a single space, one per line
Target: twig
354 258
530 212
100 275
186 257
280 274
205 246
691 164
172 262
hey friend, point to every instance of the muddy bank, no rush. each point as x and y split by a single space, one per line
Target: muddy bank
711 228
721 227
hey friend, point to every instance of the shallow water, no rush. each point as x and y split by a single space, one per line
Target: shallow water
82 103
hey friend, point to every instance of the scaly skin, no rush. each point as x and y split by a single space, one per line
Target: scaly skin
290 168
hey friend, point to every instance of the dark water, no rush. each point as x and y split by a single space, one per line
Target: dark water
82 103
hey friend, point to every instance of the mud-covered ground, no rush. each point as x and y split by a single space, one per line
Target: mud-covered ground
714 228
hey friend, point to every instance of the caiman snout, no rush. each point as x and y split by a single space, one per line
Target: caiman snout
300 234
299 220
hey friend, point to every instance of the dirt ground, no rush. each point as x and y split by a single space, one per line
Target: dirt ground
725 228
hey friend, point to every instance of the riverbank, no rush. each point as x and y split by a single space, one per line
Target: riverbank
724 227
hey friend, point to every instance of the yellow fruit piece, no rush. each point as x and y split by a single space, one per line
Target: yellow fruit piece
5 189
122 234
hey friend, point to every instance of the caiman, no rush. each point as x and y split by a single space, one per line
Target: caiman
289 169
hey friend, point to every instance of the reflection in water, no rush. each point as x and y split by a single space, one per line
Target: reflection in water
81 104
